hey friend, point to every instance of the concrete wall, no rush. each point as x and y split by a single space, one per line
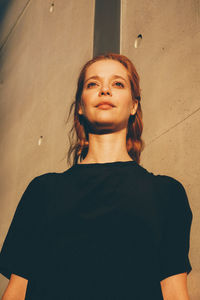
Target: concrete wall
167 60
41 55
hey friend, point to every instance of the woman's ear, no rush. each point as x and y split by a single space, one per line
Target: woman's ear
80 111
135 106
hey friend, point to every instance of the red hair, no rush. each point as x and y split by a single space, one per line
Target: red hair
134 142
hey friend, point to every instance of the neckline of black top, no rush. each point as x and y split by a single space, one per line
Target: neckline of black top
109 164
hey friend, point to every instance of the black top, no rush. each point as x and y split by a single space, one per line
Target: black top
99 231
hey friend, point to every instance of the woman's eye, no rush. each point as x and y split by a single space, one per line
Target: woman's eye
91 84
118 83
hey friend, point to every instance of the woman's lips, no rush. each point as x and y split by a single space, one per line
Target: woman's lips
104 106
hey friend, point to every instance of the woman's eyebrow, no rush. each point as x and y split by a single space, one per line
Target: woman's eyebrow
93 77
98 77
118 76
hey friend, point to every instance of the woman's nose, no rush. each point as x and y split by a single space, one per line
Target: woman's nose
105 91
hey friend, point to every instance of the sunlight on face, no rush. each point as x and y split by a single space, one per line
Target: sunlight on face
107 81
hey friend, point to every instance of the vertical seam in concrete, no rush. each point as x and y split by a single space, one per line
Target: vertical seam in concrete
107 26
94 1
120 35
172 127
14 25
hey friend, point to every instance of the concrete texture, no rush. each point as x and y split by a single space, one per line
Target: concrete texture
40 61
167 60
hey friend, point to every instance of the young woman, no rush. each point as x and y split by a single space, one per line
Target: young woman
106 228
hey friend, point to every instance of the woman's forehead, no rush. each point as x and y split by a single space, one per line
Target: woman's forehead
106 67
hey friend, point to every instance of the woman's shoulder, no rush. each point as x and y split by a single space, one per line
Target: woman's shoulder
168 187
161 180
169 183
38 186
46 178
173 193
50 182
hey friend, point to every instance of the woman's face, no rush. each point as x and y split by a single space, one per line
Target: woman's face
107 81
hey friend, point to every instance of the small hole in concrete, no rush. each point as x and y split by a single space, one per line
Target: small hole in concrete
51 9
40 140
138 40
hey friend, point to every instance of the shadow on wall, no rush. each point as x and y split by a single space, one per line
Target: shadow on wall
10 13
4 6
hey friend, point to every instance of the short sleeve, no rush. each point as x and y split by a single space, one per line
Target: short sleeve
18 254
174 250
